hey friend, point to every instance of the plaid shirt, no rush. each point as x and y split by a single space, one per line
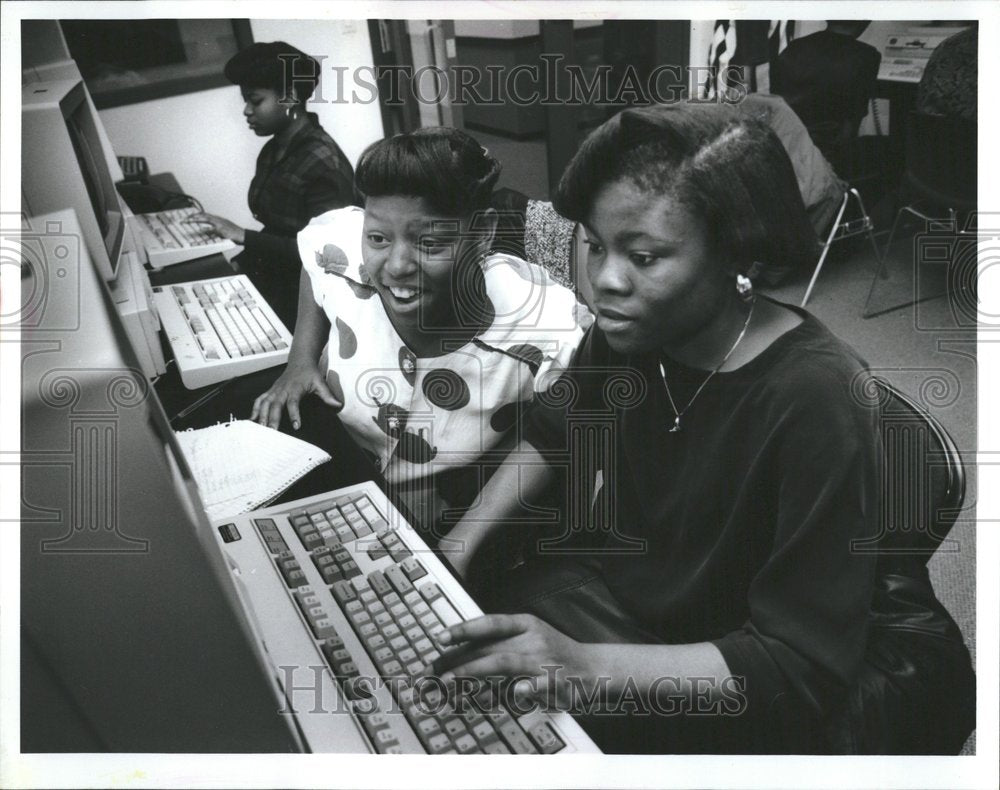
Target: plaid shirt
312 177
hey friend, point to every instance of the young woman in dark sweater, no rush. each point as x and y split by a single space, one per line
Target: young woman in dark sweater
719 465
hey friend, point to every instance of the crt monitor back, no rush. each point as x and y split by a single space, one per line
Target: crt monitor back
133 636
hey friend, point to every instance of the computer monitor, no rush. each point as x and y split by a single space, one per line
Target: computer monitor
63 166
134 636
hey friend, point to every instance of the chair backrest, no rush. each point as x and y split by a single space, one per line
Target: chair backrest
532 230
941 159
923 482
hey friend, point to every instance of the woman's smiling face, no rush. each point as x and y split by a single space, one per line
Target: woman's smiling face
415 257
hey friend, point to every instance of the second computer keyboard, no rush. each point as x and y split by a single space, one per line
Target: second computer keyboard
168 239
220 329
350 602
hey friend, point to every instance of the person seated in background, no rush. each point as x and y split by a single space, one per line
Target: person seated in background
704 573
434 346
301 171
950 83
821 189
828 78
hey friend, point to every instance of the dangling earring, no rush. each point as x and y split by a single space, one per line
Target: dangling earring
484 253
744 287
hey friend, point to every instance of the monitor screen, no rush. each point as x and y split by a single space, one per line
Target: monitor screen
63 165
88 168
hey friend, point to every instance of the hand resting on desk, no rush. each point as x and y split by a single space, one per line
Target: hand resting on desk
299 380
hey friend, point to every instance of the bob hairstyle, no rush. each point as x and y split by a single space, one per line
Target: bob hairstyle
444 166
730 171
277 66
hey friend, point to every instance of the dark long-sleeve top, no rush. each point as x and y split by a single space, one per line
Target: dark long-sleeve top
747 514
312 177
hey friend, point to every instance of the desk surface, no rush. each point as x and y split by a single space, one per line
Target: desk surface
234 399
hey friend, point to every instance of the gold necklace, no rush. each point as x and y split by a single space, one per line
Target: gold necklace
697 392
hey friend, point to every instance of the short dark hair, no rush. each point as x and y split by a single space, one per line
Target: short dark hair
848 27
277 66
730 171
445 166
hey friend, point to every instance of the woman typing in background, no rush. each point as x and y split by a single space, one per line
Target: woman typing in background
705 573
434 345
301 171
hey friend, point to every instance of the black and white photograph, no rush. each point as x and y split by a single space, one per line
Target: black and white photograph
499 394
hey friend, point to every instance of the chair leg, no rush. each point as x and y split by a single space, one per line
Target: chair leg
892 235
885 254
870 228
881 273
826 249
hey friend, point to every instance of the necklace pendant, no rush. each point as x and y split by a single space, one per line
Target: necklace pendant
677 424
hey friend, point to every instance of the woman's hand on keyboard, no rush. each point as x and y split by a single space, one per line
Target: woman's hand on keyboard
544 661
295 383
225 228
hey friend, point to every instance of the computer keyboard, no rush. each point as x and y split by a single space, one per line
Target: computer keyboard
219 329
371 599
169 240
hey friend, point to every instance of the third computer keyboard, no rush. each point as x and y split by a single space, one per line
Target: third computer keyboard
169 240
368 599
219 329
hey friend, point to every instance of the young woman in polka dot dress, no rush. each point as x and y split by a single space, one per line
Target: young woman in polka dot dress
433 346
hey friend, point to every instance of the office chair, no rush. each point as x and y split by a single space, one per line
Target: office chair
911 634
923 479
532 230
940 172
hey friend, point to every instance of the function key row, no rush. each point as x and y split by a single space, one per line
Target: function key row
315 613
290 570
345 671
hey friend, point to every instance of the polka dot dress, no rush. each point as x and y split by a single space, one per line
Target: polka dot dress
421 417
